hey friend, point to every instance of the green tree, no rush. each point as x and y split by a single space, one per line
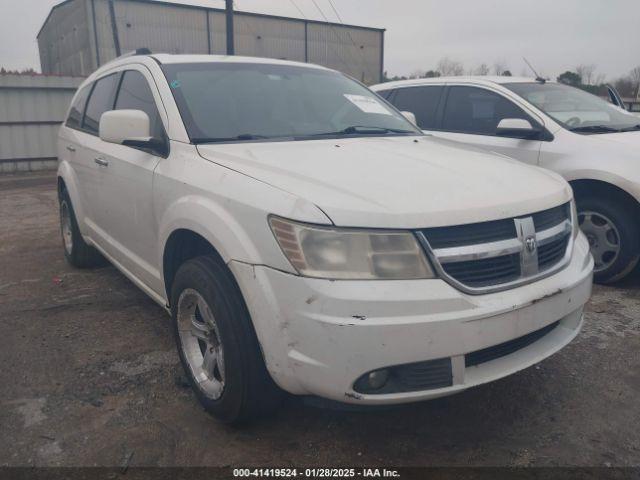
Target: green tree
570 78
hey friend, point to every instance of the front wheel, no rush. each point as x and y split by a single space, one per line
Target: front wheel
614 237
217 345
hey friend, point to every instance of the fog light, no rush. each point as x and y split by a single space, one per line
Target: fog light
378 379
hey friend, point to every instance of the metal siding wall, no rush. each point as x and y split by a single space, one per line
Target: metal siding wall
104 33
269 37
26 102
218 33
64 42
178 29
161 28
332 47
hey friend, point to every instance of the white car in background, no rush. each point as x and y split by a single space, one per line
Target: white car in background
591 143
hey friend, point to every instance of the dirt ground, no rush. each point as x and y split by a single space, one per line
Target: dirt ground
90 376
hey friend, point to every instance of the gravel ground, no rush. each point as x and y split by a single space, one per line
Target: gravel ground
90 377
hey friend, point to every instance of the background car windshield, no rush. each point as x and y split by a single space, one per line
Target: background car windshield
221 101
573 108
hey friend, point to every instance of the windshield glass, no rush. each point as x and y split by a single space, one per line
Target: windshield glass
575 109
222 102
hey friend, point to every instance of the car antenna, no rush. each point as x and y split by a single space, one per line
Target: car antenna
538 77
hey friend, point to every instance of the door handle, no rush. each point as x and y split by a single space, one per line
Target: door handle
101 161
71 148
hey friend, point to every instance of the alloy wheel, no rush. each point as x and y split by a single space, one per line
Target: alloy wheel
201 343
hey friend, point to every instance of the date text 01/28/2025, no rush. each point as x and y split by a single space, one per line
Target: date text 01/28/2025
316 472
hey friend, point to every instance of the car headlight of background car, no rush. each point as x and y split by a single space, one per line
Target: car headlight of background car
347 253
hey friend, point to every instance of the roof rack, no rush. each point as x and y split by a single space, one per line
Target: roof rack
139 51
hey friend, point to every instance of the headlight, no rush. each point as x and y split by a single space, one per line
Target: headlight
574 219
337 253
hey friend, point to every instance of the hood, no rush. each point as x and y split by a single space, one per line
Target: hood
629 139
396 182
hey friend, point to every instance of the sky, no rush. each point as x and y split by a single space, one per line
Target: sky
554 35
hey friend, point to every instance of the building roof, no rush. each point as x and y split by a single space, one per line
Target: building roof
220 10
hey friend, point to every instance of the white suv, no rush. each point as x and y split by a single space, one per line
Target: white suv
591 143
306 237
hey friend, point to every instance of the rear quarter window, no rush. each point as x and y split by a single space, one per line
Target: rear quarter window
74 120
422 101
385 93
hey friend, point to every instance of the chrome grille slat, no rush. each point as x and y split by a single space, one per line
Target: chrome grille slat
470 252
527 253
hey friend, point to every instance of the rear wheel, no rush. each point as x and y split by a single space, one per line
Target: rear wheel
614 236
217 345
77 252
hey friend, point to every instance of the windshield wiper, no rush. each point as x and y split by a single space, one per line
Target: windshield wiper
238 138
594 129
359 130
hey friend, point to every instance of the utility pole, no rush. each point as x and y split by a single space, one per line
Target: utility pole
230 35
114 28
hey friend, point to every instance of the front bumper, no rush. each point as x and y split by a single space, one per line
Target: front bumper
319 336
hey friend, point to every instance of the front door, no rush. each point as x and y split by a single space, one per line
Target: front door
127 217
471 115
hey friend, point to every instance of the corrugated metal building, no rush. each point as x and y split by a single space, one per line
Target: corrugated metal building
31 111
80 35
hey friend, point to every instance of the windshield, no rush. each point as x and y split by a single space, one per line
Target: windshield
576 109
226 102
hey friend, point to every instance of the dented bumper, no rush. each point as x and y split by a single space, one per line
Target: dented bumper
319 336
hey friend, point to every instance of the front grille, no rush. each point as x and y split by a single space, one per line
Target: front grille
506 348
552 252
484 256
552 217
489 271
459 235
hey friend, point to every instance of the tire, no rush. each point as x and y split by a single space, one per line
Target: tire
76 250
613 231
221 356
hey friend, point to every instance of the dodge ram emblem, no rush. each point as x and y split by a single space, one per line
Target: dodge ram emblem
531 244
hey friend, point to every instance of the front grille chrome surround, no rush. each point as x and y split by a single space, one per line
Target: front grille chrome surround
541 244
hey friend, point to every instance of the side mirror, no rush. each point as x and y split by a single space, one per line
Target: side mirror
130 128
517 128
410 116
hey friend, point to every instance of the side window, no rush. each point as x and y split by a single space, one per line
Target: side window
77 108
385 93
100 101
422 101
135 94
477 111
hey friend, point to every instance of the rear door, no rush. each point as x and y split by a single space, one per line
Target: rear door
471 115
71 149
90 152
127 216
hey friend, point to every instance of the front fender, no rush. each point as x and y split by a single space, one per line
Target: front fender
226 232
200 214
628 185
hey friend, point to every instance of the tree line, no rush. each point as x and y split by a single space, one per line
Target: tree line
26 71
